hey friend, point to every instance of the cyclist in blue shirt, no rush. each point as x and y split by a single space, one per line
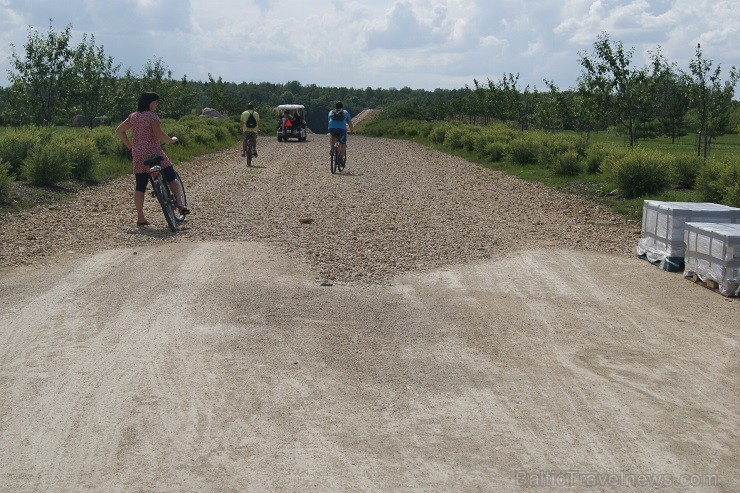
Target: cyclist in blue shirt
339 120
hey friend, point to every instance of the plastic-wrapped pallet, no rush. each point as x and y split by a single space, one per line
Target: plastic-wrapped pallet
662 239
713 255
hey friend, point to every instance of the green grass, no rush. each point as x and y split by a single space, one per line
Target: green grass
722 146
595 186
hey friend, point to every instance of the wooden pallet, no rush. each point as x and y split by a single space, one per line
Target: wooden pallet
709 284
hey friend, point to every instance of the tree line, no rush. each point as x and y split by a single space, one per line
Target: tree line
659 99
52 81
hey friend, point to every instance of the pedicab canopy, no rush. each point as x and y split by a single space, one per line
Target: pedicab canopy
284 107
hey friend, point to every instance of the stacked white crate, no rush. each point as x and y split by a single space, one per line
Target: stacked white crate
662 238
713 254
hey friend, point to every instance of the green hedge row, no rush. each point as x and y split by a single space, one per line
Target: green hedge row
6 181
635 172
46 157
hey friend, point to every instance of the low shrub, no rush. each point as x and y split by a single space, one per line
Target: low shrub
567 163
524 150
105 140
46 165
709 182
425 128
184 133
437 134
719 181
640 172
221 133
16 145
470 138
551 147
454 137
411 131
83 156
686 168
495 151
500 132
596 155
6 182
581 146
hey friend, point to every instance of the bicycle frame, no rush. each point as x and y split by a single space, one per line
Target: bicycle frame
250 151
337 161
161 189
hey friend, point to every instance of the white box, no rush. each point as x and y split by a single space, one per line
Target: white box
713 254
663 226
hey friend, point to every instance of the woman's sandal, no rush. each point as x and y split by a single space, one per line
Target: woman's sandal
142 223
184 211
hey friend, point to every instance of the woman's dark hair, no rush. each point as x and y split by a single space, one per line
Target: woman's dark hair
339 105
145 100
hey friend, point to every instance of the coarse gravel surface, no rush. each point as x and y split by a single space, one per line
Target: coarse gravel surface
415 323
397 207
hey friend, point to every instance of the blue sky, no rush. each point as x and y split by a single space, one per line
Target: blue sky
422 44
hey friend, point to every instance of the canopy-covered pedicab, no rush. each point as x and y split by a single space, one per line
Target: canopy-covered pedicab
291 122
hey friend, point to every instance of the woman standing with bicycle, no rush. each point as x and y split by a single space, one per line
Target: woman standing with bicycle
339 120
147 139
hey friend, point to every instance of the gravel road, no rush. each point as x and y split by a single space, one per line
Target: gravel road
416 323
397 207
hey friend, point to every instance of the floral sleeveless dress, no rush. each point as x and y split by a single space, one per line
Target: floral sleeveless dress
145 142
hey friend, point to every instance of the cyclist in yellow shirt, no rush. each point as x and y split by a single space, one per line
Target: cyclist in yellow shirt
250 121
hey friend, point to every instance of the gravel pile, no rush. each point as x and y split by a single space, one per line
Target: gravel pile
397 207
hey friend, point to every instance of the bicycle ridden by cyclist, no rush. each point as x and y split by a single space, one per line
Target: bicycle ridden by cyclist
249 121
339 121
146 142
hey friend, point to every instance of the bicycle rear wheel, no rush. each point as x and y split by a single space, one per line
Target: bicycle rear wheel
341 162
166 199
333 160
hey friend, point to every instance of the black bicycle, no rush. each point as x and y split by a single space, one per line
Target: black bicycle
250 149
166 198
336 160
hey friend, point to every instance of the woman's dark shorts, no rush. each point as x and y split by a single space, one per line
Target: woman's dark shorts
142 179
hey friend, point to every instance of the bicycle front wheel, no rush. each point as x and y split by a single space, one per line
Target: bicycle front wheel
179 217
166 199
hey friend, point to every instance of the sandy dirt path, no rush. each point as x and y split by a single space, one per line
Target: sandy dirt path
215 360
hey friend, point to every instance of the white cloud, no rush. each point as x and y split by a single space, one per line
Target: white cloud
378 43
533 49
492 41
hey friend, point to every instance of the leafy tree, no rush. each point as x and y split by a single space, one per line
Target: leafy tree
44 77
125 95
616 88
710 98
670 95
178 98
184 98
548 109
585 111
220 98
509 103
95 79
485 101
